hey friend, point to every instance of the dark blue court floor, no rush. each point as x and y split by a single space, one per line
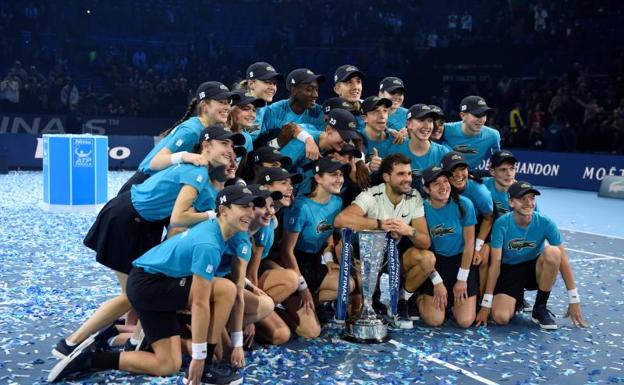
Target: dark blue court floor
50 283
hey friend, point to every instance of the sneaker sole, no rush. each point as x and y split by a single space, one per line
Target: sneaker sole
58 368
545 327
58 354
414 318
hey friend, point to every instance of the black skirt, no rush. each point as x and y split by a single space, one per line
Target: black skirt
119 234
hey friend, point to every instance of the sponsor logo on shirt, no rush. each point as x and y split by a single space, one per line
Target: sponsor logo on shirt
323 226
179 142
209 269
465 149
500 209
440 230
519 244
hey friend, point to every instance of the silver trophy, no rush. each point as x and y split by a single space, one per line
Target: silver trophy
367 328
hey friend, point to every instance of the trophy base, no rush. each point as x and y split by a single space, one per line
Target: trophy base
366 332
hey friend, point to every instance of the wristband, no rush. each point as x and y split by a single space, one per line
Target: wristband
462 274
237 339
303 136
200 351
211 214
327 257
248 283
487 301
302 284
435 278
177 157
478 244
573 296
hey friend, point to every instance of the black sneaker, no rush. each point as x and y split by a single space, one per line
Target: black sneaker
141 345
80 360
325 312
401 320
62 349
526 307
544 317
412 308
218 374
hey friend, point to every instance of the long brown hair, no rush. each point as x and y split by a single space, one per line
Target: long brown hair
192 108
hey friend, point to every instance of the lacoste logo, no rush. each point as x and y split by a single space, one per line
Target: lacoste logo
440 230
465 149
519 244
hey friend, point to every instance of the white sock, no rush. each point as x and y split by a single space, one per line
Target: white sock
133 341
406 295
70 343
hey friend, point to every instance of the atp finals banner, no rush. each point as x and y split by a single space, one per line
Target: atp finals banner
566 170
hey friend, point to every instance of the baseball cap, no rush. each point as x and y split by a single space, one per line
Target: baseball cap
216 91
452 160
346 72
217 132
392 84
337 102
519 189
329 164
262 191
347 149
372 102
270 155
344 122
499 157
262 71
419 111
475 105
238 195
302 76
274 174
248 99
432 173
437 110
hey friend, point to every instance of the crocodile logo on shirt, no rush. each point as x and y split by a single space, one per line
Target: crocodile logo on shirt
465 149
440 230
519 244
500 208
323 226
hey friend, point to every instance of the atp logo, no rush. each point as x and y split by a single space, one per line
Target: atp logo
83 151
441 231
519 244
465 149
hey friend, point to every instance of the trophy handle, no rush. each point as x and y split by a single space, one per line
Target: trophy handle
345 271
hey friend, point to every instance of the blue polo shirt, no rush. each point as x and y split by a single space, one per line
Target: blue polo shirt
480 197
197 250
313 221
398 119
520 244
474 148
265 237
280 113
446 226
433 157
238 246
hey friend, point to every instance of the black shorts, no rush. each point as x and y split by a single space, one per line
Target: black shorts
157 299
448 267
137 178
515 279
119 234
312 269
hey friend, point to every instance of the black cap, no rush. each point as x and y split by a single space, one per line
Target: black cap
217 132
344 122
346 72
302 76
270 155
475 105
432 173
262 71
437 110
392 84
371 102
499 157
216 91
248 99
240 151
337 102
238 195
519 189
273 174
419 111
262 191
452 160
329 164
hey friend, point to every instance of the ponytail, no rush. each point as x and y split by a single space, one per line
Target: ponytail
455 197
362 176
189 112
